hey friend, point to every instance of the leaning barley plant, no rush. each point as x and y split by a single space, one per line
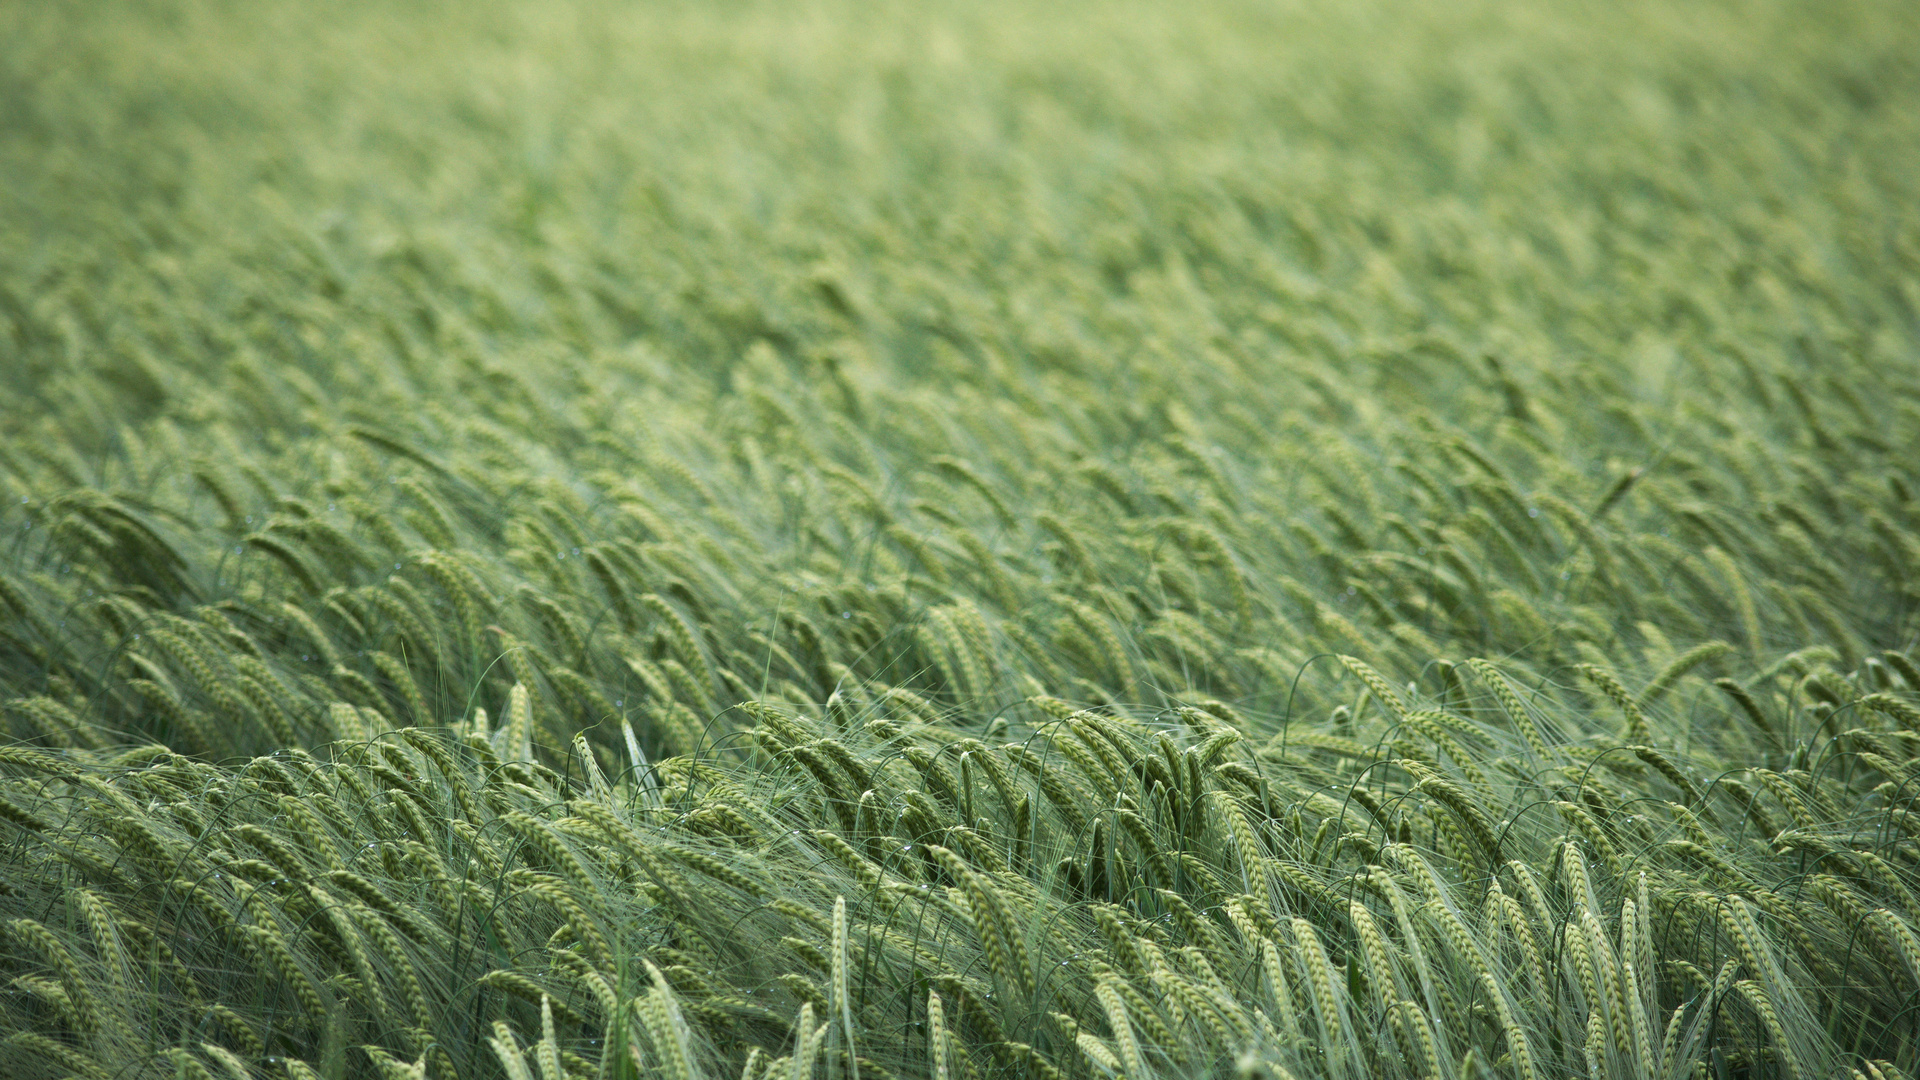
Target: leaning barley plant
1131 1059
937 1053
907 587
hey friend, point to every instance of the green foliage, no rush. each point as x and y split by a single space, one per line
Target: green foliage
605 540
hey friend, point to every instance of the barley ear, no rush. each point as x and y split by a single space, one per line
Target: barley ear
936 1036
842 1000
547 1050
514 742
1123 1036
806 1045
507 1049
667 1028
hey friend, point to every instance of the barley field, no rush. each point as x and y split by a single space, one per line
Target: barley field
617 539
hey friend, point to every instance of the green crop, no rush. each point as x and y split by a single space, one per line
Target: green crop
609 539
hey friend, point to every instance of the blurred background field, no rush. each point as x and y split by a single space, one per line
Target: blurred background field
617 539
